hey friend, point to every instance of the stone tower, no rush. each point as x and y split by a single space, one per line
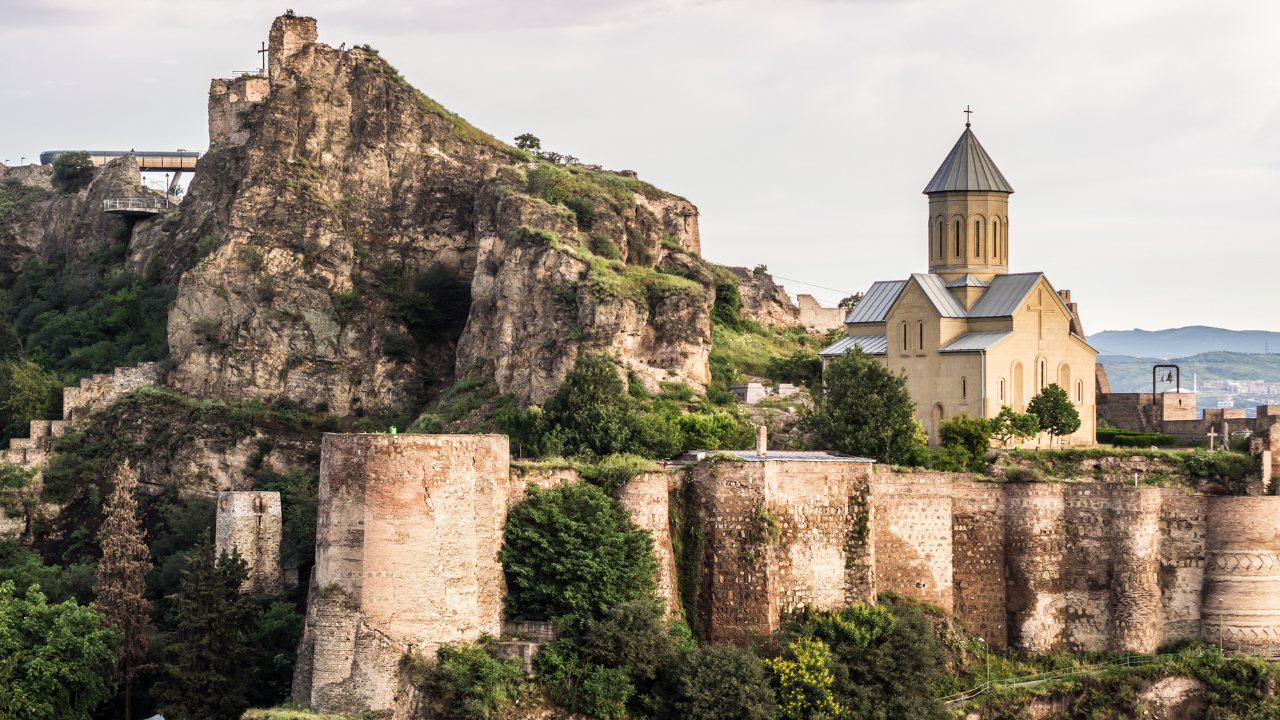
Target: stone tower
250 522
968 216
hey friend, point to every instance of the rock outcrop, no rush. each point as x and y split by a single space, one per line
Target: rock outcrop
763 300
345 186
46 222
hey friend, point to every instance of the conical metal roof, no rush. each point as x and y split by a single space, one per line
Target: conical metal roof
968 167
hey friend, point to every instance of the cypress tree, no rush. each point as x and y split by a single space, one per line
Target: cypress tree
121 583
208 666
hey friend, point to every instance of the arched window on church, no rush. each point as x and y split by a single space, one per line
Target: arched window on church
921 334
1002 390
977 238
1042 374
905 337
957 238
1080 391
995 237
964 388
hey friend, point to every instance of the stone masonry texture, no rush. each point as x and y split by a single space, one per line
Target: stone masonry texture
410 528
249 522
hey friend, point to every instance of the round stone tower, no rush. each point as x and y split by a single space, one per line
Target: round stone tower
1241 600
968 215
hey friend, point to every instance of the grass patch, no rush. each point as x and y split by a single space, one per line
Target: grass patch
754 348
294 712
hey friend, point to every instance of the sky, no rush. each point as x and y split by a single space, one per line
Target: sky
1142 137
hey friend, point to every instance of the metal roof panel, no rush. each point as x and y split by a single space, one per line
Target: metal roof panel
935 288
874 306
972 342
1005 295
870 344
968 167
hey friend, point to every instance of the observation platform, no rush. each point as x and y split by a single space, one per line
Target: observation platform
137 206
177 161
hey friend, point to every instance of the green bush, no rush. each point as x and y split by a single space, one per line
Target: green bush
1128 438
862 408
719 682
614 471
972 435
549 182
468 682
728 301
604 246
15 195
584 210
72 171
592 409
801 367
571 551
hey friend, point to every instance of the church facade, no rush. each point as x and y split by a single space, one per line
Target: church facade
970 335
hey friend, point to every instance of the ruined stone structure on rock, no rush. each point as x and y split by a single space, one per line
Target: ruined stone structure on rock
971 336
409 528
249 523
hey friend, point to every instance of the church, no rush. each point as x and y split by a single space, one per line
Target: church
970 335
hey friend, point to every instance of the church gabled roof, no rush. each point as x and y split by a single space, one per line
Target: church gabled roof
1005 295
968 167
935 288
968 281
875 305
870 344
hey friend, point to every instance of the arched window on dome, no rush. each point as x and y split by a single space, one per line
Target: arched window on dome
977 238
957 238
942 241
995 237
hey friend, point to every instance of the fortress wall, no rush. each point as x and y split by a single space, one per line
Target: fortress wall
408 535
736 599
911 530
1181 562
1086 566
544 478
1136 613
819 507
249 522
98 392
1034 545
977 536
646 497
1241 600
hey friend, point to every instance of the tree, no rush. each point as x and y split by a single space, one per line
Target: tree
851 302
1053 408
759 270
1011 426
208 668
528 142
718 682
27 392
72 171
592 409
51 657
862 408
573 551
122 574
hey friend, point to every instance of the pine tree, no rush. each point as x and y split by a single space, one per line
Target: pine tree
121 583
208 666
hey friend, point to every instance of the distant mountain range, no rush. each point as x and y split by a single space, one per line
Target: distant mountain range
1184 342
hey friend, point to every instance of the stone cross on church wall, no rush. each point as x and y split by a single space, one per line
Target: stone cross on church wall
1040 310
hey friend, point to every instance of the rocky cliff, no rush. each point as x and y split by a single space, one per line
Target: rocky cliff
321 236
37 221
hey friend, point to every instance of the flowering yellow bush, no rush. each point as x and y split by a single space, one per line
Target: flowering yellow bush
802 680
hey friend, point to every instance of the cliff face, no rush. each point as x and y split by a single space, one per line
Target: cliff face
763 300
346 196
44 222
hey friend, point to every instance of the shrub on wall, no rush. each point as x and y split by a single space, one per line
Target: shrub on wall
716 683
572 551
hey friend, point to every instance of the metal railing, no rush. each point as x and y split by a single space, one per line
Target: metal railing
988 686
135 203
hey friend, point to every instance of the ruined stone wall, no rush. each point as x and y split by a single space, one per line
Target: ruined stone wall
228 98
406 547
1182 529
1241 597
978 559
1034 545
289 37
816 317
911 529
249 522
98 392
747 577
646 498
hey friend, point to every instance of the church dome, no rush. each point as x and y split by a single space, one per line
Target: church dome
968 167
